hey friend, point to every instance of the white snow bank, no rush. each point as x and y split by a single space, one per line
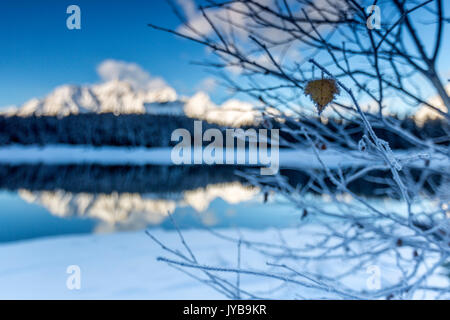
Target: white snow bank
125 266
113 266
71 154
110 155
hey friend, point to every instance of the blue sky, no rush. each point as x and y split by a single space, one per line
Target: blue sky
38 52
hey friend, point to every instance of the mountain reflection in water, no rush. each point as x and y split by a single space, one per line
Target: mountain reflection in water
133 197
120 198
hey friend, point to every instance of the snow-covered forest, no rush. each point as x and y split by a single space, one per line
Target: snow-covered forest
148 130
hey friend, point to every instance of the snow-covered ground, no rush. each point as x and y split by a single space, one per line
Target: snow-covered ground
125 266
109 155
113 266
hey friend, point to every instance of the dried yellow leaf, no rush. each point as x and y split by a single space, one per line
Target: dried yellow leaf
322 92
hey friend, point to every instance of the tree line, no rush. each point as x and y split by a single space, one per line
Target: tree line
155 130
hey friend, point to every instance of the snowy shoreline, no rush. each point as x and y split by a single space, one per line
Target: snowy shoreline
113 266
110 155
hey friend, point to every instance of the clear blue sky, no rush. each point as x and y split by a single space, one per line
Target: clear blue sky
38 52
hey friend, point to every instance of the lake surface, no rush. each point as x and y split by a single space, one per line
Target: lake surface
42 200
47 200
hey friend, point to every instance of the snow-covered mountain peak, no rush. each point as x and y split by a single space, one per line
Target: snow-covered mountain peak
121 97
114 96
